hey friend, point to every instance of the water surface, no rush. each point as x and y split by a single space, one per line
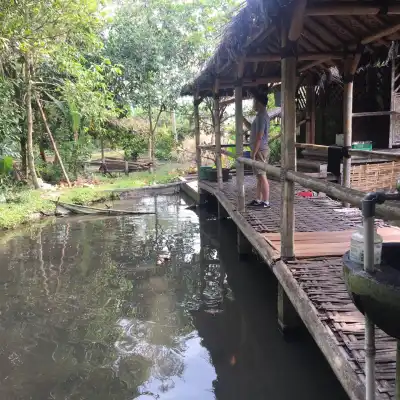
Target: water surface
148 307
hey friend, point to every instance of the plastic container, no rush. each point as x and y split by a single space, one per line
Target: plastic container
203 172
357 247
362 145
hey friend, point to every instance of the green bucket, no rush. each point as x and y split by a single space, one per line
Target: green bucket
204 172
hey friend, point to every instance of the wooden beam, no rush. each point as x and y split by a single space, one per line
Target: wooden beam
301 57
246 83
373 114
239 137
335 8
380 34
296 25
367 40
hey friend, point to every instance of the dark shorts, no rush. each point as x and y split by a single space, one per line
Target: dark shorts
261 156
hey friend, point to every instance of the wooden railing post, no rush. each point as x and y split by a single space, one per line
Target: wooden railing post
288 150
197 135
239 138
217 131
349 71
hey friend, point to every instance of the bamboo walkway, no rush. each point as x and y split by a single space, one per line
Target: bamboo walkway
324 303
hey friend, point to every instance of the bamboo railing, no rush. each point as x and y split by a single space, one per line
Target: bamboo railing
354 152
344 194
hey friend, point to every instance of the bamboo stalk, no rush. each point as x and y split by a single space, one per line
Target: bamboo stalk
29 118
217 129
197 137
53 143
239 139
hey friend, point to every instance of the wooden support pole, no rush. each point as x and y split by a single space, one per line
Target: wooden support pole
288 150
350 68
244 247
310 114
288 319
197 135
347 129
392 103
53 143
239 138
217 129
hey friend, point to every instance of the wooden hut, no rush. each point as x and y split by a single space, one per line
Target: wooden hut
293 44
342 45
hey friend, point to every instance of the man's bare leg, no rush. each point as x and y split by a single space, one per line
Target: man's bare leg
259 189
264 189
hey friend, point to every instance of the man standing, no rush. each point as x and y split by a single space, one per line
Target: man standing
259 149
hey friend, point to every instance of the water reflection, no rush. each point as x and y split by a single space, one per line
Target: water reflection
144 308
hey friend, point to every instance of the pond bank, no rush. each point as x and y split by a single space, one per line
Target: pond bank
27 206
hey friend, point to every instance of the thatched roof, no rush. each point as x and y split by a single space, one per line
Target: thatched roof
332 29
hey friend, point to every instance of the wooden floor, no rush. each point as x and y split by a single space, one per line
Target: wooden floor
316 288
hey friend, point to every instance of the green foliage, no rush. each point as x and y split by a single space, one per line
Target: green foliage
165 145
6 165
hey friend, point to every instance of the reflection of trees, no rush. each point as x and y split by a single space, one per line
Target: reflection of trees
73 290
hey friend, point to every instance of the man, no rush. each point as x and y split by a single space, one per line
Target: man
259 149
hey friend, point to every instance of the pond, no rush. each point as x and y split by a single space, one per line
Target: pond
147 307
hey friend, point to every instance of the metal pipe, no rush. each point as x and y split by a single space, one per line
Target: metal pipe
398 371
368 211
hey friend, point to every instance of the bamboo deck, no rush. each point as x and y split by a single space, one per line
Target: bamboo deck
314 281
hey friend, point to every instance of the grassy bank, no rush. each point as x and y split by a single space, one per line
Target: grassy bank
24 205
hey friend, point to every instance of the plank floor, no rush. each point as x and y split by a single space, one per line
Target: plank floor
325 244
326 225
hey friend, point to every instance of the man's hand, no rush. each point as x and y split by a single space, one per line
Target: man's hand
253 155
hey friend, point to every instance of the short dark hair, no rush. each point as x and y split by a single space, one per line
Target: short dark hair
260 97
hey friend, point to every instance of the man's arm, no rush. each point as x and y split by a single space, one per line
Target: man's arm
260 126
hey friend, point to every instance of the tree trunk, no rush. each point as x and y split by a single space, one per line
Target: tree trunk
173 125
58 157
151 141
24 164
29 118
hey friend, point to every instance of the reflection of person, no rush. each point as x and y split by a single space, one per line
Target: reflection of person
259 149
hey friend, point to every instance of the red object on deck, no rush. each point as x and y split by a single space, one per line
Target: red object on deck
306 194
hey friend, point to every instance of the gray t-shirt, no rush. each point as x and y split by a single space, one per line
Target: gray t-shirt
260 124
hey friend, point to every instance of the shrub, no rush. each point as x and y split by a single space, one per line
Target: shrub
165 145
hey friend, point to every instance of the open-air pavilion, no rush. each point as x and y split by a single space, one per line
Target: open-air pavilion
290 46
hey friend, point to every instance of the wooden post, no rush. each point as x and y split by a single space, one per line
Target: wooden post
239 138
52 140
392 103
288 150
197 135
244 247
217 129
310 114
347 129
288 319
349 71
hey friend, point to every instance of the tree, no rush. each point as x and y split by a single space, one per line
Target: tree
161 45
32 32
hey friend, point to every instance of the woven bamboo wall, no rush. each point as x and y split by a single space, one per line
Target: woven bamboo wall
370 177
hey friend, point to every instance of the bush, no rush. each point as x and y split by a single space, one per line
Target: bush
165 145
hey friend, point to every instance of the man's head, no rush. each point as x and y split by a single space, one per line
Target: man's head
260 101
